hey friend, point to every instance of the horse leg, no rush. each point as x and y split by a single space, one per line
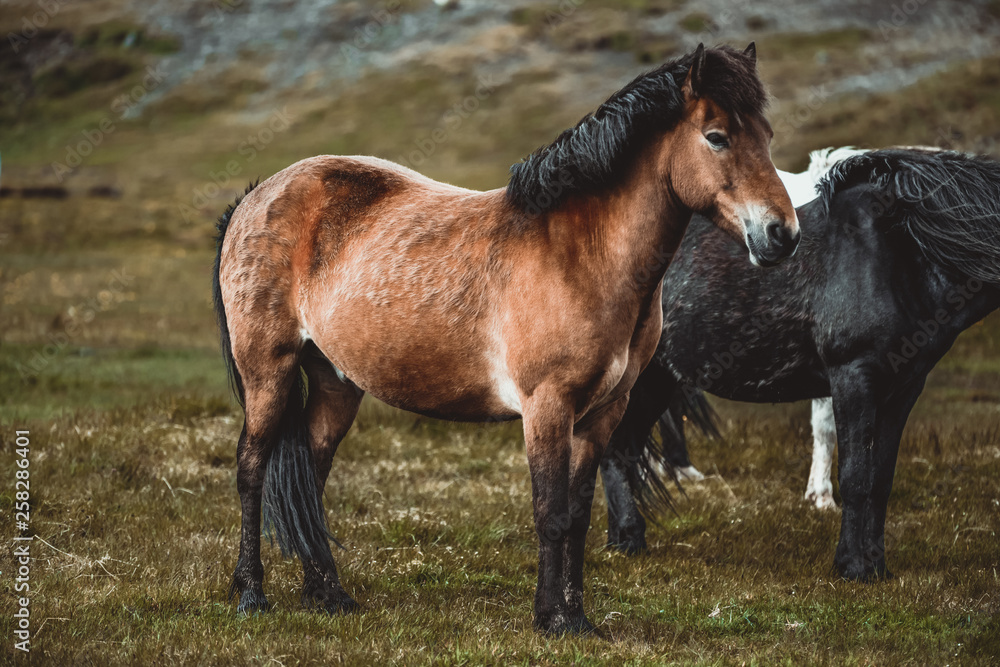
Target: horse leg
855 409
892 421
589 442
626 525
627 450
267 395
819 489
548 432
330 410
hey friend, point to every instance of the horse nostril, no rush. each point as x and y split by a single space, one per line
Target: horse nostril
777 234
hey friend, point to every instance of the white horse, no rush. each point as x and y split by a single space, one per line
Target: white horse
802 189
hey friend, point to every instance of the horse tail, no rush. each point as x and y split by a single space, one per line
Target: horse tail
688 403
638 456
235 381
291 503
653 462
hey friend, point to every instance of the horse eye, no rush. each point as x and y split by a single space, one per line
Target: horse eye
718 141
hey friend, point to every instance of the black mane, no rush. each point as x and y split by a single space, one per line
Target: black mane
592 154
948 202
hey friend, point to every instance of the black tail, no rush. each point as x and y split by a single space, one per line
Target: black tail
292 503
647 454
687 404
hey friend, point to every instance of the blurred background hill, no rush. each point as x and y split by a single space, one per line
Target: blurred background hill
126 127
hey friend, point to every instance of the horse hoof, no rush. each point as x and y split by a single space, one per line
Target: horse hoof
581 627
822 501
344 605
559 625
629 546
689 474
880 573
865 574
852 569
331 602
826 503
252 602
629 539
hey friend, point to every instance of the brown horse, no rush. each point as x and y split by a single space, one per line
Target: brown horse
344 275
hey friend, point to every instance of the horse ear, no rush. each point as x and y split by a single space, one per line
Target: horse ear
693 81
751 52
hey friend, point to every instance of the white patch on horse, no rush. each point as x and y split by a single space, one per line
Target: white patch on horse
342 376
801 187
684 474
689 474
506 391
503 384
751 215
819 490
822 160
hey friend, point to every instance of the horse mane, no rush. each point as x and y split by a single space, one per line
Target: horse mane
949 202
822 160
592 154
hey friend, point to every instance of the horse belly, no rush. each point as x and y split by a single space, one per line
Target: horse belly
424 365
776 370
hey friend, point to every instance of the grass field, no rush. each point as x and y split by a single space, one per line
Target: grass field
136 503
108 357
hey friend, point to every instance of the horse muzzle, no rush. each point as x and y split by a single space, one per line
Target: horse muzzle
770 242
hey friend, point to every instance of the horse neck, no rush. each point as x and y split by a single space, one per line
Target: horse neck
973 300
633 230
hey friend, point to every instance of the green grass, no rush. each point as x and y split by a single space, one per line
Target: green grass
441 552
45 381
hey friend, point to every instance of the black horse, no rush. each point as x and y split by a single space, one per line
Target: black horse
900 253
